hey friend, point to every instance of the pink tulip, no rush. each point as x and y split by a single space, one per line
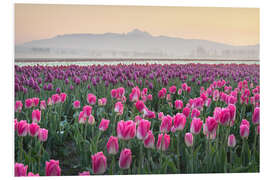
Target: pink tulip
126 129
178 104
49 101
186 111
76 104
179 121
179 91
20 169
168 98
211 125
163 142
149 141
36 116
18 106
195 113
172 89
63 97
137 119
91 99
216 95
184 87
208 102
244 129
144 92
160 115
166 124
87 110
196 125
91 120
56 98
125 159
43 105
120 92
81 118
188 89
28 103
143 128
84 173
217 113
189 139
256 116
33 129
52 168
104 124
22 128
112 145
32 174
149 97
140 106
135 94
102 102
162 93
35 101
225 116
231 141
114 93
119 108
232 109
43 134
99 163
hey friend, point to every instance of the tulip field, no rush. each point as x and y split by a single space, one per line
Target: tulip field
136 119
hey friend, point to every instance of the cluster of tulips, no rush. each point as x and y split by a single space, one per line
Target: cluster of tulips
136 119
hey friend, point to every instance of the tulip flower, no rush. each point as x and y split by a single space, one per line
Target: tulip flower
18 106
126 129
112 145
166 124
172 89
35 101
52 168
28 103
82 118
231 141
225 116
179 121
256 116
56 98
22 128
99 163
244 129
102 102
91 120
178 104
20 169
104 124
186 111
43 134
84 173
91 99
160 115
195 113
135 94
143 128
196 125
149 141
140 106
63 97
33 129
189 139
184 87
125 159
120 92
87 110
49 101
114 93
76 104
119 108
163 142
43 105
36 116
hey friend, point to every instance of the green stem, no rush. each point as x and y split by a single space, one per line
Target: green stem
178 151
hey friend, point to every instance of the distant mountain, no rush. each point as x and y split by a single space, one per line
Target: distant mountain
134 44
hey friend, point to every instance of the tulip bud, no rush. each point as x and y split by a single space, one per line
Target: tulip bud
99 163
104 124
76 104
43 134
196 125
20 169
36 116
149 141
112 145
189 139
231 141
52 168
163 142
125 159
143 128
33 129
22 128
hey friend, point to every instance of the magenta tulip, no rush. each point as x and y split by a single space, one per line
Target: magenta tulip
99 163
18 106
166 124
33 129
125 159
126 129
178 104
189 139
52 168
119 108
179 121
22 128
256 116
84 173
149 141
163 142
231 141
196 125
43 134
91 99
112 145
20 169
76 104
104 124
36 116
143 128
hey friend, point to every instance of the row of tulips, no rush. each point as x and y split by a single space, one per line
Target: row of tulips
181 128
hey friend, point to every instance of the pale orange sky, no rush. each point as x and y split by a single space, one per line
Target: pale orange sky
236 26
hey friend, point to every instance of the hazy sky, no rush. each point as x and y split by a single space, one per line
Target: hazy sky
236 26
